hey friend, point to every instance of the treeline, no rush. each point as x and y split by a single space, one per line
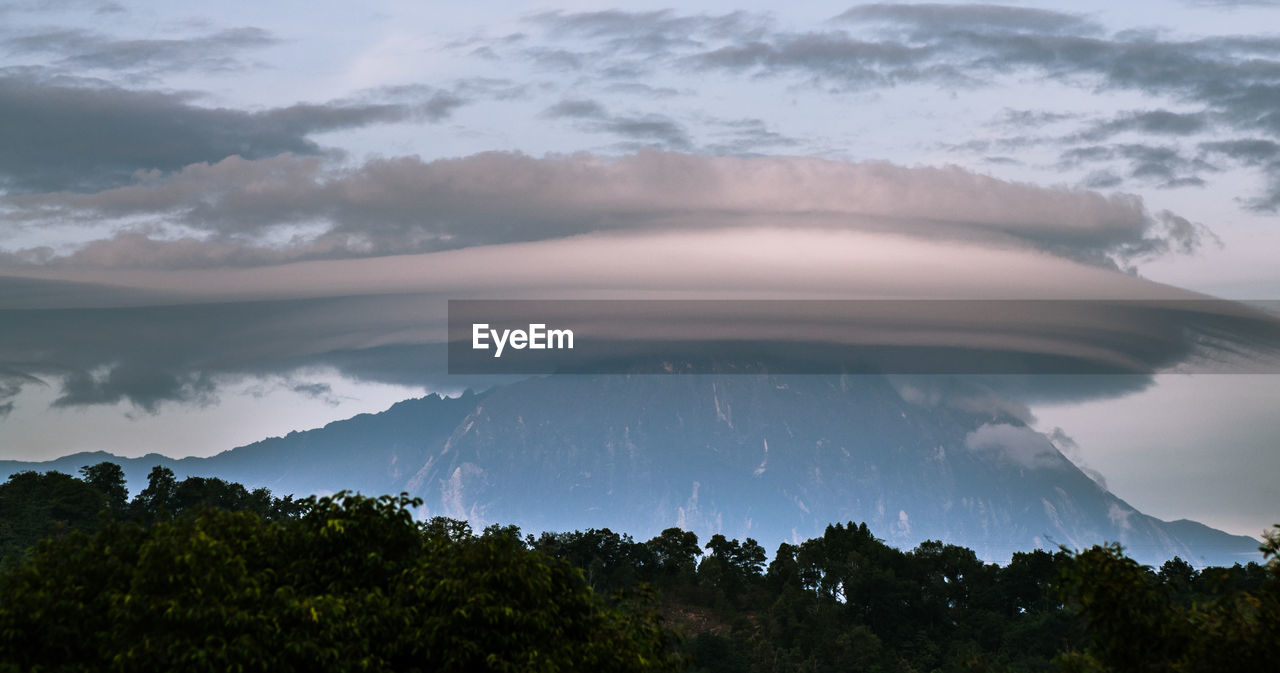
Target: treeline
848 602
202 574
37 505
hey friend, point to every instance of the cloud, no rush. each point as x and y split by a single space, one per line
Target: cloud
1016 444
77 136
1254 152
641 89
43 6
926 19
1120 515
148 356
1163 166
148 337
1156 122
1237 79
88 50
11 383
965 394
576 109
644 130
216 287
1232 4
655 131
391 206
317 390
1032 118
649 130
1102 179
1250 151
746 137
144 387
649 34
836 57
1231 82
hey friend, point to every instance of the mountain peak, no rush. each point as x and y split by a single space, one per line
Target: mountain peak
776 458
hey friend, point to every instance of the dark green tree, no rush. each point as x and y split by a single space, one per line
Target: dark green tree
35 506
609 561
675 555
157 498
108 478
731 566
1133 621
353 584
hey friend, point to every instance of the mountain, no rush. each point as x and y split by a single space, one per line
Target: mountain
771 457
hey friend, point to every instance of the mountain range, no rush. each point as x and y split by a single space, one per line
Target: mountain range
775 458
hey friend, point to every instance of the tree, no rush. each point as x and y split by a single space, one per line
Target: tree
108 478
675 553
352 584
610 562
444 528
157 497
1128 618
34 506
731 566
1132 622
1028 583
783 569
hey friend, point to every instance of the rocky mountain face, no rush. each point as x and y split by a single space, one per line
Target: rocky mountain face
771 457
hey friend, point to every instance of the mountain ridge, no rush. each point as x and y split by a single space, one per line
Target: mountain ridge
770 457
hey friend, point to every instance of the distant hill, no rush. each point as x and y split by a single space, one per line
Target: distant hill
770 457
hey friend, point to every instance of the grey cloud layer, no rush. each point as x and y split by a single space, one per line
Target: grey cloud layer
644 129
740 137
401 205
182 352
62 135
148 356
88 50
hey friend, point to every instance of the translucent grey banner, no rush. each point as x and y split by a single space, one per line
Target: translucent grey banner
863 337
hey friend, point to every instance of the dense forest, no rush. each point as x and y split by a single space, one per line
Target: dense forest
205 575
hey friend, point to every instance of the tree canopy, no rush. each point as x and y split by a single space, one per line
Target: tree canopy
201 574
351 584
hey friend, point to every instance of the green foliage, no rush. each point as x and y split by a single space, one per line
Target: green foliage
353 584
675 555
609 561
1126 614
1137 620
444 528
35 506
206 575
847 601
166 497
731 567
158 495
108 479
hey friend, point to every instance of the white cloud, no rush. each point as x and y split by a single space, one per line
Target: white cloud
1017 444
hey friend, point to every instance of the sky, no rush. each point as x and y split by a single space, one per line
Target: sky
223 223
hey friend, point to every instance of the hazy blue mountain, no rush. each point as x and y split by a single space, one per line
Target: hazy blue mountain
774 458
